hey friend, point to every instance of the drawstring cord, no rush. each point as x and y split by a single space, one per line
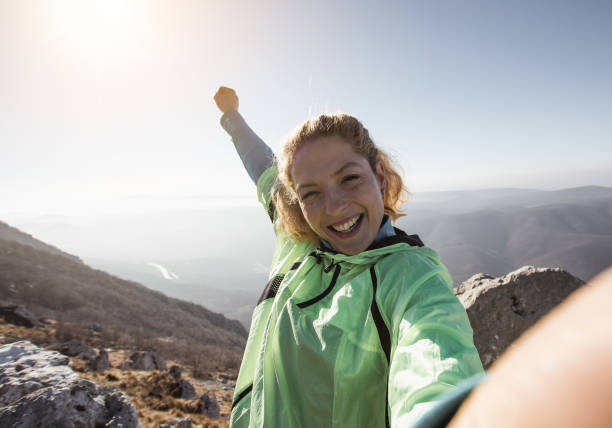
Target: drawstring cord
320 259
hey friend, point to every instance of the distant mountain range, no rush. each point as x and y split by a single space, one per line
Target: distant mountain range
498 231
220 255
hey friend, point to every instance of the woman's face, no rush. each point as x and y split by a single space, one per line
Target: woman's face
340 196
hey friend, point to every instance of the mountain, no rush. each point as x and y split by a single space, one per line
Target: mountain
220 256
8 233
54 285
575 235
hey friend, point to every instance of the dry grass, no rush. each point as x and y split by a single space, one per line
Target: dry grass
151 393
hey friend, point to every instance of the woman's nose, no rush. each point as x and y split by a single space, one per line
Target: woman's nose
335 202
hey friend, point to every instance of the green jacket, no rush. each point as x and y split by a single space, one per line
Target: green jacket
369 340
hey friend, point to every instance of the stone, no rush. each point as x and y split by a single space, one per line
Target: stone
185 389
18 315
501 309
208 406
175 371
100 362
39 388
177 423
75 348
145 361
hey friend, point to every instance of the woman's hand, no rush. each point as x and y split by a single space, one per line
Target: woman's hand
226 99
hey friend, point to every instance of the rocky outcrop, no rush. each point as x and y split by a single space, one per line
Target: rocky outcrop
100 362
145 361
39 388
75 348
208 406
184 388
501 309
96 360
18 315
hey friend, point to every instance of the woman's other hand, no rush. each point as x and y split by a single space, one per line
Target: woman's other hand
226 99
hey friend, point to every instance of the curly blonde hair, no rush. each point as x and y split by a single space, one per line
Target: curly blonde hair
291 220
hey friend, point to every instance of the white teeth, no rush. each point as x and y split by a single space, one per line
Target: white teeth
346 226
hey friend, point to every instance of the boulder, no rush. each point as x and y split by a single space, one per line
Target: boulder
175 371
501 309
208 406
18 315
38 388
75 348
145 361
100 362
185 389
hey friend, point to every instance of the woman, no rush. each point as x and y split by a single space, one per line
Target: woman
358 325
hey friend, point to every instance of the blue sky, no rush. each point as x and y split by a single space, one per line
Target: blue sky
108 105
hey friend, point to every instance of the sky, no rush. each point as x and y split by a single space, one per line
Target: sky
106 106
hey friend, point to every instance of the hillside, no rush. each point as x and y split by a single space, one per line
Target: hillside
52 285
9 233
493 231
576 236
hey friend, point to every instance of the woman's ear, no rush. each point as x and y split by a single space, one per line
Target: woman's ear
380 176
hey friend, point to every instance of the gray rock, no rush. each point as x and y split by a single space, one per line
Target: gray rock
177 423
501 309
186 389
175 371
144 360
38 388
18 315
75 348
208 406
100 362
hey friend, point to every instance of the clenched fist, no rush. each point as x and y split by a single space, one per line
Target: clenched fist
226 99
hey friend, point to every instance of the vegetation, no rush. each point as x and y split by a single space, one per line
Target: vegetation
123 313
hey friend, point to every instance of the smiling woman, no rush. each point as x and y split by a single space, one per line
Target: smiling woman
358 325
336 185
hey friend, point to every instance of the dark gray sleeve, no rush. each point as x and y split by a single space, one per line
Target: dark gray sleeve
255 154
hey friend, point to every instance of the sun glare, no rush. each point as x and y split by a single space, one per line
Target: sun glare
92 24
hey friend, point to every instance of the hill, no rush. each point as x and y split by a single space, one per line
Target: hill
53 285
8 233
576 236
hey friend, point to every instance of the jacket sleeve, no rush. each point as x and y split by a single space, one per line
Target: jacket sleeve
432 347
253 151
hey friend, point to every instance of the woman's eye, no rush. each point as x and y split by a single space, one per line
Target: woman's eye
350 178
309 195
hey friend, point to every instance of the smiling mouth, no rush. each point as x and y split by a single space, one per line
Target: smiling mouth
347 228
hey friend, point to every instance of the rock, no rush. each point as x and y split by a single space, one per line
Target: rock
208 406
501 309
185 389
100 362
177 423
18 315
144 360
38 388
75 348
175 371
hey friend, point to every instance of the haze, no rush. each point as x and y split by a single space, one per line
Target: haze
106 106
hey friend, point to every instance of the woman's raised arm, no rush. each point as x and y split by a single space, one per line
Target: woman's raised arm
253 151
